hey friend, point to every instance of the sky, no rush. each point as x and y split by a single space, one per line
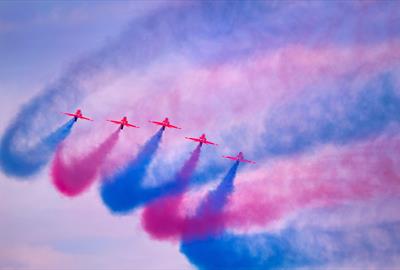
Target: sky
307 90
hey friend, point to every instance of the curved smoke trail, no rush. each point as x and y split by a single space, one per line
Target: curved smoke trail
23 163
122 191
293 247
75 177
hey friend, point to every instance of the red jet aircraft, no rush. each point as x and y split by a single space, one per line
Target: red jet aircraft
165 123
201 140
78 114
239 158
123 122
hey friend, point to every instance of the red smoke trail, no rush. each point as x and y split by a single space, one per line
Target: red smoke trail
74 178
161 218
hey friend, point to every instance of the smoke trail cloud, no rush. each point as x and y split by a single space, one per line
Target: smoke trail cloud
122 191
162 218
75 177
294 247
25 162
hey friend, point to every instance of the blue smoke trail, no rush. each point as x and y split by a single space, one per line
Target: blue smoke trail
297 248
25 162
242 252
208 219
341 119
217 198
122 192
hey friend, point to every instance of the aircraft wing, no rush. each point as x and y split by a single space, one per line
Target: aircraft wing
193 139
86 118
130 125
208 142
164 125
172 126
114 121
157 123
233 158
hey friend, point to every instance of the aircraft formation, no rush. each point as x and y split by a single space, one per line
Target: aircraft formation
165 124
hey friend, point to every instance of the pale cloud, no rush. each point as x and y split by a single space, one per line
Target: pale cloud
33 257
41 229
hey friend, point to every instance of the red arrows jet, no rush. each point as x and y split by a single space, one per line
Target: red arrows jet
239 158
78 114
165 123
123 122
201 140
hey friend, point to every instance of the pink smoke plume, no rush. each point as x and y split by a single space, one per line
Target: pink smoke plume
358 172
77 176
161 218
